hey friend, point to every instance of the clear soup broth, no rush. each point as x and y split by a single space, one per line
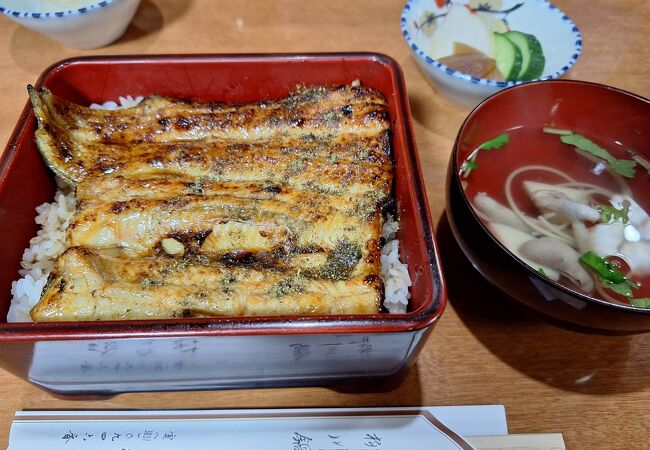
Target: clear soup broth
576 214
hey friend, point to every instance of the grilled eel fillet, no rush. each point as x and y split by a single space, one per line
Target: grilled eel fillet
284 193
85 285
77 141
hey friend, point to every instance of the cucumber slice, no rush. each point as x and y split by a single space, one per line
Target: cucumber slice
508 57
532 62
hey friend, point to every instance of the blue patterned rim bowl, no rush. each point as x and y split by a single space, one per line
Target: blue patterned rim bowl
560 39
75 23
24 8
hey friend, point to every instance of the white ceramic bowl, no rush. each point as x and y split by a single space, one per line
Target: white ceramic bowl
74 23
558 35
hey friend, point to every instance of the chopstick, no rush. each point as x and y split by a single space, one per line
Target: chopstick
536 441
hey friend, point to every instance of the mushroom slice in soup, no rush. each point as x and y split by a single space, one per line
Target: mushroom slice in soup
513 239
602 238
560 203
637 255
533 188
496 212
559 256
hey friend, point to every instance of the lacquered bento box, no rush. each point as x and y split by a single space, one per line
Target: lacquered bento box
113 357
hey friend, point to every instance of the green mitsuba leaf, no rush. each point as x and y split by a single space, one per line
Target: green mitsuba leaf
620 288
495 143
603 268
470 165
609 214
624 167
467 167
640 302
612 278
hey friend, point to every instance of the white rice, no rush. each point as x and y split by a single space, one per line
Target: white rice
54 218
394 273
43 250
124 102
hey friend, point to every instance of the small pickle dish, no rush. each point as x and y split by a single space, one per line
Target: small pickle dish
224 352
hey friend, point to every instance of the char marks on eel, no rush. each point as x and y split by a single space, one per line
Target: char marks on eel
197 209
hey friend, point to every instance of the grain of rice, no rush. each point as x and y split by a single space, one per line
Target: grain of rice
38 259
394 273
124 102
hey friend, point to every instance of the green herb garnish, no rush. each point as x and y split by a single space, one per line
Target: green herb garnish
467 167
470 165
639 159
610 214
495 143
624 288
609 274
640 302
624 167
603 268
541 271
611 277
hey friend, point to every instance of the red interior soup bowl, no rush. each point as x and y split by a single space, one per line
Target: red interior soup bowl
549 197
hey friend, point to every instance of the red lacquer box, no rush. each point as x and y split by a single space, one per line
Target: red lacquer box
113 357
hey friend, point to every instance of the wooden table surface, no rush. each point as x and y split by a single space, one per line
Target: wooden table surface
593 389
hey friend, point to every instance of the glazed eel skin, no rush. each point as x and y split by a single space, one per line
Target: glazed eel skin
190 208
